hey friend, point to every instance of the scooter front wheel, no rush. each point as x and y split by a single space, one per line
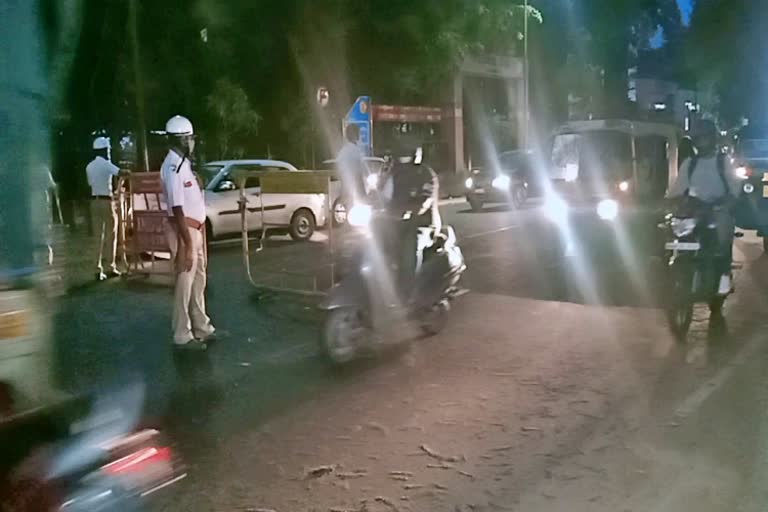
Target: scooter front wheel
344 334
435 319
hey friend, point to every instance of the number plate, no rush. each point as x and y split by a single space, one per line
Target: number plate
682 246
479 191
765 190
765 176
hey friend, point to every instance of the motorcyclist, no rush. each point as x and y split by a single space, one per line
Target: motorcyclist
410 191
708 176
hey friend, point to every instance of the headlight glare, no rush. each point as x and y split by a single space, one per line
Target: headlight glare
360 215
501 182
607 209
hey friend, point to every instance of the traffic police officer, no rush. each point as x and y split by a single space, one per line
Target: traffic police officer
101 172
192 327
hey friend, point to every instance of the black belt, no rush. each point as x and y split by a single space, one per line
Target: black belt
102 197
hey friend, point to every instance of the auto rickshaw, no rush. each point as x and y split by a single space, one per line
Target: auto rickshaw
608 180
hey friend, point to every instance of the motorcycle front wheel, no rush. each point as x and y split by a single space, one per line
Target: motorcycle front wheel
344 334
680 308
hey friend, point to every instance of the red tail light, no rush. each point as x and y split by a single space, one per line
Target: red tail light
139 461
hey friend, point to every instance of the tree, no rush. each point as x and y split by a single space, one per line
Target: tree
234 123
617 30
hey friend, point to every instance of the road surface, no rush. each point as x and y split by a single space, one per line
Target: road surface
533 398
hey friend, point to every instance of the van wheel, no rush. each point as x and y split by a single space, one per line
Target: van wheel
302 225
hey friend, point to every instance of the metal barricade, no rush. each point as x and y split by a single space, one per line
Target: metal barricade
143 223
285 182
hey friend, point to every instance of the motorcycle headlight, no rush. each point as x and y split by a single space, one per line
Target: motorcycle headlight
501 182
742 172
469 183
682 227
360 215
607 209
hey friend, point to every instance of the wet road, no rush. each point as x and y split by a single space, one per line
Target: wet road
538 395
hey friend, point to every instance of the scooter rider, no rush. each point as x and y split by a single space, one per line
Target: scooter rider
410 191
708 176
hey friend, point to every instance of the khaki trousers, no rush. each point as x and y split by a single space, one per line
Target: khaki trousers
105 222
189 317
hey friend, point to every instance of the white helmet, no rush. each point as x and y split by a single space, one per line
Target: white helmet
179 126
101 143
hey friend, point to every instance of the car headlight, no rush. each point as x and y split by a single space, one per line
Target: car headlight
742 172
372 181
469 183
555 209
682 227
607 209
360 215
501 182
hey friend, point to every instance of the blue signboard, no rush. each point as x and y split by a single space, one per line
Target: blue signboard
360 114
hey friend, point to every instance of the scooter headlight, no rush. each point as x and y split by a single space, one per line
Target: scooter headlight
469 183
501 182
372 181
607 209
360 215
682 227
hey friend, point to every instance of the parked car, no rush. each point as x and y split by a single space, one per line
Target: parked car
511 180
300 213
375 166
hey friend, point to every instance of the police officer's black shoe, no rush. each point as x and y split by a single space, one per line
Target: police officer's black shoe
192 346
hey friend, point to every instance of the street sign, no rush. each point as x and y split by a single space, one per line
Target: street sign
323 96
360 114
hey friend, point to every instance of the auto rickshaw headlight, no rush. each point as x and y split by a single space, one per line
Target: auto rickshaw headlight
607 209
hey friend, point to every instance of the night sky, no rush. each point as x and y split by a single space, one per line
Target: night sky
686 6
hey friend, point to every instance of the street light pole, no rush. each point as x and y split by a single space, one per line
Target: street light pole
526 114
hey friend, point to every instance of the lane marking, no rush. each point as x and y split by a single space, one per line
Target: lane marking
696 399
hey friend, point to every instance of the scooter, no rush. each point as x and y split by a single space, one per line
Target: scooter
365 311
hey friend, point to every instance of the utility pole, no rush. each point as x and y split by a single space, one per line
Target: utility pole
526 108
138 79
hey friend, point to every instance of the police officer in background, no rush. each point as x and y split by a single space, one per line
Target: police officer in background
104 209
192 328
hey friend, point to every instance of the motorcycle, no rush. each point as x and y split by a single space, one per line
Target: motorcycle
63 459
366 311
690 252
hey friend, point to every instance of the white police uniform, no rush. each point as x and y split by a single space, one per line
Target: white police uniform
100 172
181 188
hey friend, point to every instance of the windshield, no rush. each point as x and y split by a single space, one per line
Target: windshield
592 155
755 148
208 172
